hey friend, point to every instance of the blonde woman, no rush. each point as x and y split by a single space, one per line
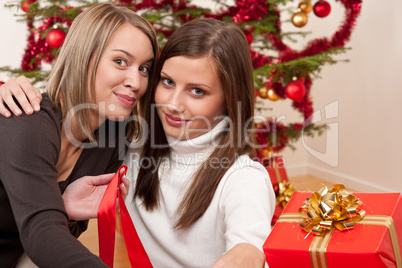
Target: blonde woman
101 73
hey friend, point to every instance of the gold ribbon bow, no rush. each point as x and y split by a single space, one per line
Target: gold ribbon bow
285 192
326 208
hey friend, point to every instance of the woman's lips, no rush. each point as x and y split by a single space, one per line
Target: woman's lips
175 121
127 100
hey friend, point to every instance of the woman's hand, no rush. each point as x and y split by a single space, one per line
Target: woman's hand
28 96
83 197
242 255
124 187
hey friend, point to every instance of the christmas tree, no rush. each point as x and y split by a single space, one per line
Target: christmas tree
279 71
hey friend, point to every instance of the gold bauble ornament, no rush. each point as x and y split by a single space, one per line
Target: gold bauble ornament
299 19
266 152
272 95
263 92
306 6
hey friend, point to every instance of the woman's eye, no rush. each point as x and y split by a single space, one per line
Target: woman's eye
144 69
121 62
167 82
198 91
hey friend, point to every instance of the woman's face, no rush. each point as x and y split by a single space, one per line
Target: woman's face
123 72
189 96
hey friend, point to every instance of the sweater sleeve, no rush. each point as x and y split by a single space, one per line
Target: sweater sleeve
247 203
28 174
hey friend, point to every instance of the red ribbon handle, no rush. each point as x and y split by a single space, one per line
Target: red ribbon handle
107 227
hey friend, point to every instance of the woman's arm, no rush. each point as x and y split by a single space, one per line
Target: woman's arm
28 175
247 202
28 96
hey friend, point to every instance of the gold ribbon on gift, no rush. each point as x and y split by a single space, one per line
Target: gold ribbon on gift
326 208
388 222
319 244
285 188
285 192
276 169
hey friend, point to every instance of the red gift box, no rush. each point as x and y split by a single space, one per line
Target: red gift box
373 242
276 170
280 182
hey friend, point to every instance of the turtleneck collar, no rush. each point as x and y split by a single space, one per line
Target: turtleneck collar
196 150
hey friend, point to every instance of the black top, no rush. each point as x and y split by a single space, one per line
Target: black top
32 214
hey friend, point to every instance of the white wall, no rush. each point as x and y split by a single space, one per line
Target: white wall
369 94
12 40
369 91
363 96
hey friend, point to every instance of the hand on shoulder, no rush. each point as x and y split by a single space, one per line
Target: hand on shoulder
20 88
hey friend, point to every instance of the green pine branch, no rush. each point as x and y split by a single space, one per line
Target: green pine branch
291 135
40 10
35 76
284 71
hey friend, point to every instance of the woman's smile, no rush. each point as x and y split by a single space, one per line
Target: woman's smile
175 121
125 99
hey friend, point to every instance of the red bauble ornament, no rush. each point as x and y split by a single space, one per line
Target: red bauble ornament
25 6
249 37
55 37
322 9
295 90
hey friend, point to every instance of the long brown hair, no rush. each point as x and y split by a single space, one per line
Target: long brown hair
87 38
227 46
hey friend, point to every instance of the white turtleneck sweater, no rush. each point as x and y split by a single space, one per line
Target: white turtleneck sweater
240 211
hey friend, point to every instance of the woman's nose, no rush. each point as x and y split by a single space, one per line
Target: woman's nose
133 80
176 102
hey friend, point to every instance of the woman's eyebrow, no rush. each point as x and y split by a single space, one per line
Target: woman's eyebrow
124 51
131 56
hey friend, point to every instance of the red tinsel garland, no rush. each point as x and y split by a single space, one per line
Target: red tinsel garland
341 36
37 49
352 11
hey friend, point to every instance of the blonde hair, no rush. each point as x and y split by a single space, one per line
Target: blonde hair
86 40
